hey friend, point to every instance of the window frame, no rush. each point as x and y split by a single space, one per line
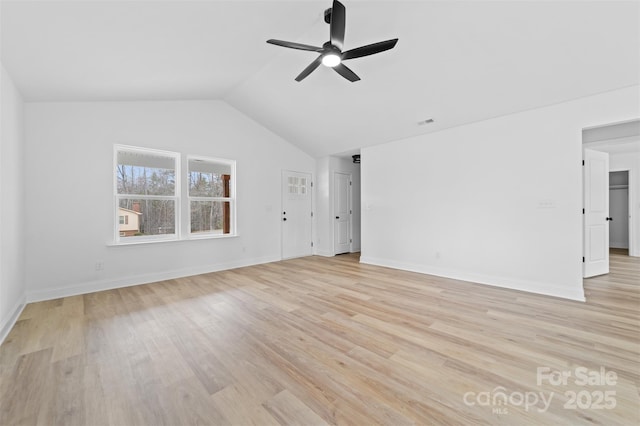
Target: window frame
231 199
118 238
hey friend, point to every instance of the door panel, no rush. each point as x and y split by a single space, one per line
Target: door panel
296 214
342 213
596 213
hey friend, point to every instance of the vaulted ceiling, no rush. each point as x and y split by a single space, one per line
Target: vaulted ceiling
456 61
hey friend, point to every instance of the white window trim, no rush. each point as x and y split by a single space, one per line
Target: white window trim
118 240
231 199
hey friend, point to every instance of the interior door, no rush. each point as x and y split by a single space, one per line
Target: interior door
296 214
342 213
596 213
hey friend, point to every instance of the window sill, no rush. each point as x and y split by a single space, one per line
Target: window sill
171 240
209 236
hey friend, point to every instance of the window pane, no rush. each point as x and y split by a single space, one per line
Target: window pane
147 217
209 179
145 174
211 217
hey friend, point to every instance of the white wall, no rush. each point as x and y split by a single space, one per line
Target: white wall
12 254
70 161
497 202
325 169
631 162
323 243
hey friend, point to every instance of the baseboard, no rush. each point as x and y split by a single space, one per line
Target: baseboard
324 253
101 285
619 246
8 323
502 282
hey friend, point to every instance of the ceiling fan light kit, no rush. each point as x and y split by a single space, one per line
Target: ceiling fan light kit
331 54
331 60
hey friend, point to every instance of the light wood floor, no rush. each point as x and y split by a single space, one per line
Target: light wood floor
321 341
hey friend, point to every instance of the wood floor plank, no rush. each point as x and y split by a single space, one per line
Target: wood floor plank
237 407
316 341
289 410
26 389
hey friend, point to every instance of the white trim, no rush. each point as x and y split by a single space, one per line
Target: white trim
537 287
207 236
324 253
174 240
110 284
7 324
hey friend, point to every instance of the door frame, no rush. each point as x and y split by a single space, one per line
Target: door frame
634 249
333 210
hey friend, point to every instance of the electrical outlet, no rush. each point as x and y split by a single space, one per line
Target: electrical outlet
99 265
546 204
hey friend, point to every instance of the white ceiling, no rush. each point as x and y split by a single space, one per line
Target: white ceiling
456 62
616 138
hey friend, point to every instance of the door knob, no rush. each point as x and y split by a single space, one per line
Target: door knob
610 219
337 217
284 218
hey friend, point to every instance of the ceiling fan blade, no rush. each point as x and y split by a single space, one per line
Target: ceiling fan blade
369 49
346 72
293 45
338 21
308 70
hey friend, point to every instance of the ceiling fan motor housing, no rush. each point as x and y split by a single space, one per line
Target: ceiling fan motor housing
327 16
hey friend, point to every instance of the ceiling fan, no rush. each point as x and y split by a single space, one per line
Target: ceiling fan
331 54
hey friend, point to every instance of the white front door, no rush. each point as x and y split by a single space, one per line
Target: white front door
342 213
296 214
596 213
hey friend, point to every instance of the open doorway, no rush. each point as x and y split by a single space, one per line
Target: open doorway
619 212
620 142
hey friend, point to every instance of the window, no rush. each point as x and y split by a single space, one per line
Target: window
147 197
211 196
147 190
297 185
